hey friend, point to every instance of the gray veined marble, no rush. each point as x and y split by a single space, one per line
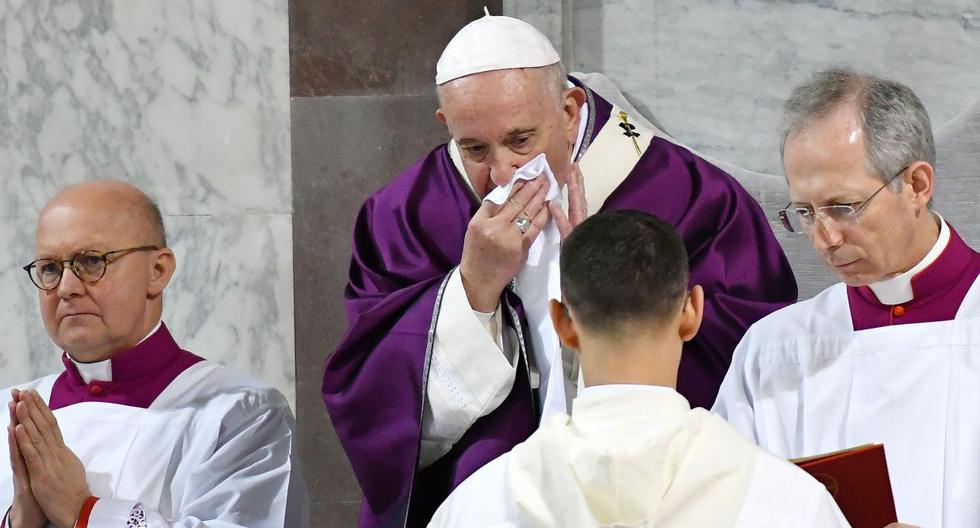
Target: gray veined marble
714 74
27 352
187 99
231 299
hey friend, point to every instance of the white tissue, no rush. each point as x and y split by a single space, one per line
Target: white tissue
538 282
531 170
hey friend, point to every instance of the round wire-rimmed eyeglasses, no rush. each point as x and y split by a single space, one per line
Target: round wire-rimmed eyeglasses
88 265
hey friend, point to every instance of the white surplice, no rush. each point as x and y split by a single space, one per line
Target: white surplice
637 455
213 449
803 382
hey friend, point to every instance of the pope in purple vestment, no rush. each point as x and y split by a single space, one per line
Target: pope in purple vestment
409 236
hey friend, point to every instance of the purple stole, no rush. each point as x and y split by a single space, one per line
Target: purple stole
937 291
139 374
408 237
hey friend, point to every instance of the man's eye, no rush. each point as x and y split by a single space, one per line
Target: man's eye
89 261
48 268
475 150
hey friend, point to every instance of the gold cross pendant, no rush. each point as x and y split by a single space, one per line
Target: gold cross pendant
630 131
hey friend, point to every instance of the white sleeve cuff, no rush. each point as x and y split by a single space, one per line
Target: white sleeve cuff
471 372
111 512
470 342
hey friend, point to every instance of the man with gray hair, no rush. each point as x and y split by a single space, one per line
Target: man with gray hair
890 355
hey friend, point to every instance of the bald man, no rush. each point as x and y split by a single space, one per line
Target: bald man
135 431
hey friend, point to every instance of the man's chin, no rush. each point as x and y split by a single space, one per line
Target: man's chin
855 282
86 353
856 279
82 345
852 273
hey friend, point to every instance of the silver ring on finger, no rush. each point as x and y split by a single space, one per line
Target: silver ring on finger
523 224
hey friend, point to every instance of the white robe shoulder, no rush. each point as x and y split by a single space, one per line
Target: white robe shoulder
214 448
627 463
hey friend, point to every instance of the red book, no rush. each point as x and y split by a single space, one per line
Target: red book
857 478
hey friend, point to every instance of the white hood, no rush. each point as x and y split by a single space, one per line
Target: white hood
631 457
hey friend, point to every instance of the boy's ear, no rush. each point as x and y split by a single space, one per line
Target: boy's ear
563 324
691 314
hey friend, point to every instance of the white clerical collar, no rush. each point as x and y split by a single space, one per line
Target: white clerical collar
622 388
102 370
898 289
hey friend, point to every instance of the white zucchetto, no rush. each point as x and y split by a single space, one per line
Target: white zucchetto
494 43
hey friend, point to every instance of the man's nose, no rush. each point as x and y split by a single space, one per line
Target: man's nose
503 167
826 234
70 285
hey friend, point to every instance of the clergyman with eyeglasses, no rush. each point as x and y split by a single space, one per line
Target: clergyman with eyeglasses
891 354
134 431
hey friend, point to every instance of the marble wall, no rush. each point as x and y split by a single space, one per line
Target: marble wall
715 73
187 99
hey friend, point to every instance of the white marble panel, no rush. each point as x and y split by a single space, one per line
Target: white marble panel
547 16
231 299
27 353
187 98
715 73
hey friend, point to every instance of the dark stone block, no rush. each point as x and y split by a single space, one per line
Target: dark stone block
344 148
334 514
349 47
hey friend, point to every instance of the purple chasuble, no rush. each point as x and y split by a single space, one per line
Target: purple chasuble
937 291
139 374
408 238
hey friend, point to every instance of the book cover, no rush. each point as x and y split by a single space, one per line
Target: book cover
857 478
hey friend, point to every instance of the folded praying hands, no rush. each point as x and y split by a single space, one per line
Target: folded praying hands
49 480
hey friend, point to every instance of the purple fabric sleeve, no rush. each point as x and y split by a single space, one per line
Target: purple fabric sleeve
732 253
407 238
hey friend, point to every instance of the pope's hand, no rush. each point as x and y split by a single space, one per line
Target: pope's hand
57 476
495 248
25 512
578 208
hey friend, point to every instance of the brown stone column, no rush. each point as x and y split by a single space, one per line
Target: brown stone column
363 109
